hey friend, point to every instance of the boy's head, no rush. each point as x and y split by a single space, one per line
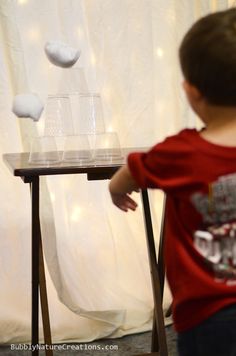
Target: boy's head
208 57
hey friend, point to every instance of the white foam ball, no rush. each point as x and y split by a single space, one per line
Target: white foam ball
61 54
27 105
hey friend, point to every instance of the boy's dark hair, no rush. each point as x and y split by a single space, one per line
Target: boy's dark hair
208 57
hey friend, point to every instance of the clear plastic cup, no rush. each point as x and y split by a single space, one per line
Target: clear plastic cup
58 116
43 151
87 113
77 149
107 147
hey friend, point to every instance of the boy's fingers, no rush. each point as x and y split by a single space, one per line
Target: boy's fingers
131 204
124 202
122 207
131 201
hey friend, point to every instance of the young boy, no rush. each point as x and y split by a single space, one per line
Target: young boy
197 171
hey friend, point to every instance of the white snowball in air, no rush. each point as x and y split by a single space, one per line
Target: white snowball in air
61 54
27 105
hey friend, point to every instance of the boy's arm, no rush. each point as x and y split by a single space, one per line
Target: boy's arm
121 185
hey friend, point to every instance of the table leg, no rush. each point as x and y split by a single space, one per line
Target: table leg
38 276
161 262
155 341
159 335
44 303
35 265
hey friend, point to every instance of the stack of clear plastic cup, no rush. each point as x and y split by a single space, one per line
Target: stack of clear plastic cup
77 149
87 113
107 147
58 117
43 151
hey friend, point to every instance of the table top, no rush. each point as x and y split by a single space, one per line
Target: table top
18 164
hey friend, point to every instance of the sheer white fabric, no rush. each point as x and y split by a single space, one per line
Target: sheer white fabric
98 280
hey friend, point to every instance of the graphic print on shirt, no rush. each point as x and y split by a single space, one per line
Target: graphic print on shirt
216 238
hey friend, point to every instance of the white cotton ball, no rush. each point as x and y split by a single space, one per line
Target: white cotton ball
27 105
61 54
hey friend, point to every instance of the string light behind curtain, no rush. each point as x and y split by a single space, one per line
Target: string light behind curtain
98 274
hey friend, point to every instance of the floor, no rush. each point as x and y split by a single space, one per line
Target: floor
126 346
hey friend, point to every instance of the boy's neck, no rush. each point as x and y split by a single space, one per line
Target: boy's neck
220 124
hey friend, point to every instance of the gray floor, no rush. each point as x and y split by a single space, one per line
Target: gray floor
125 346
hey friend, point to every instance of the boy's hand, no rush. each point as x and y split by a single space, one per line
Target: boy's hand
123 201
121 186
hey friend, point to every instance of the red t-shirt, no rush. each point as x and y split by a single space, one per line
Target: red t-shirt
199 179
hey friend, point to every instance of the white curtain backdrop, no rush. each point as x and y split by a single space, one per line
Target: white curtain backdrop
97 267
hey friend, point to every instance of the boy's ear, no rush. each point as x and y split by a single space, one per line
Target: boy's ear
191 91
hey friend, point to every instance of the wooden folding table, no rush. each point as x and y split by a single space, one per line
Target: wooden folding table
20 167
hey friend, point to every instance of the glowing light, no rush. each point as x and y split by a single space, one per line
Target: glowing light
171 16
109 129
106 93
34 34
159 52
93 60
80 33
106 143
52 196
76 213
22 2
40 126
